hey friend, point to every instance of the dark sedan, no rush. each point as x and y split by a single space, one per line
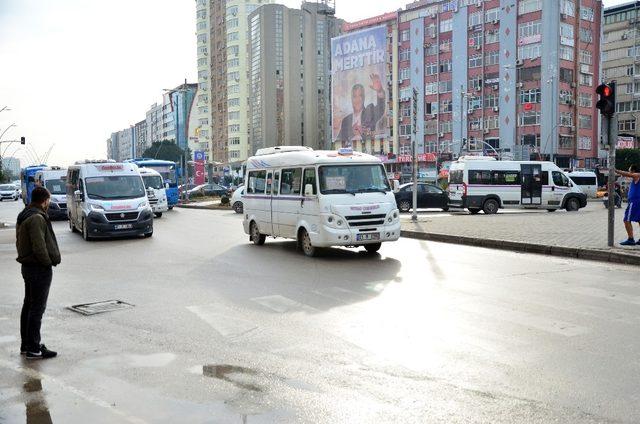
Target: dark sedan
429 196
209 190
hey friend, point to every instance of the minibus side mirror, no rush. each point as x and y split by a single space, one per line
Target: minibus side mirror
308 190
78 196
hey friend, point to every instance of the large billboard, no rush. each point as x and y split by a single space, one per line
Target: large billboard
359 86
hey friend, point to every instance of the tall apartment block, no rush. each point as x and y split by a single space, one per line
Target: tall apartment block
202 108
289 86
493 76
621 62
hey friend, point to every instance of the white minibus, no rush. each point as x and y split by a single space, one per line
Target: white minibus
107 199
156 190
319 198
587 181
483 183
54 179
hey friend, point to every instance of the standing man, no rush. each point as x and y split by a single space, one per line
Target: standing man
37 252
632 214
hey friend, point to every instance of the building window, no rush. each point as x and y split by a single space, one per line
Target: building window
201 25
233 102
566 53
475 19
475 102
233 115
475 61
431 68
492 122
530 51
475 123
476 39
627 125
587 14
491 36
566 119
530 96
405 110
445 46
404 35
566 75
234 128
584 122
585 100
492 58
568 7
446 25
586 80
405 93
445 86
445 65
232 23
528 6
586 57
586 35
491 101
566 31
566 97
405 73
584 143
492 15
446 126
403 55
529 29
431 88
405 129
475 83
233 89
446 106
529 118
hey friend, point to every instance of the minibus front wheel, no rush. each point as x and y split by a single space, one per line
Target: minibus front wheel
304 240
257 238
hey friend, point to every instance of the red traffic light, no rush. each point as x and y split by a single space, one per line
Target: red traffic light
607 102
607 91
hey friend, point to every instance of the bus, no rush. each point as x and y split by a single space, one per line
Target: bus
169 172
28 181
54 179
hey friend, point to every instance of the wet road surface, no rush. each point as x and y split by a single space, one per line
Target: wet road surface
224 331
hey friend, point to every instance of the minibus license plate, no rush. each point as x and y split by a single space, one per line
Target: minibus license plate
370 236
124 226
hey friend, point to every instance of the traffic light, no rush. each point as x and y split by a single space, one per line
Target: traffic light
23 140
607 100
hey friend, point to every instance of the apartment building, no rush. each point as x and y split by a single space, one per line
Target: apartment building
289 86
621 63
493 76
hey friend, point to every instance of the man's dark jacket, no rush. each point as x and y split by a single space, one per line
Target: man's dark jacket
370 116
35 241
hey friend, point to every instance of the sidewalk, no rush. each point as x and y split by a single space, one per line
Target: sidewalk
205 204
581 234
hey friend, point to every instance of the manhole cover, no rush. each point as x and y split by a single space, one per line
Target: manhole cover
100 307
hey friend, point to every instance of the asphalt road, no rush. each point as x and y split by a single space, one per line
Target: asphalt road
226 332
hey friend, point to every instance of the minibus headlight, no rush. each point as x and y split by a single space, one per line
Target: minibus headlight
395 215
142 204
95 207
339 223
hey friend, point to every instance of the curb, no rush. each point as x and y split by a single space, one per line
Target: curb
566 252
210 207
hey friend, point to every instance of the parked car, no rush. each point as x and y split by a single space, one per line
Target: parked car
208 190
429 196
236 200
9 191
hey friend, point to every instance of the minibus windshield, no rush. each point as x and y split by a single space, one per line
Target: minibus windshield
153 181
352 179
114 187
56 186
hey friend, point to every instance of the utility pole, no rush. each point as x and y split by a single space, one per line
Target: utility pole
414 159
607 106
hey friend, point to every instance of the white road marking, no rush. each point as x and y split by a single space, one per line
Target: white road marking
79 393
222 321
282 304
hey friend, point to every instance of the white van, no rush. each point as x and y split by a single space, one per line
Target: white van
54 179
319 198
482 183
107 199
587 181
156 191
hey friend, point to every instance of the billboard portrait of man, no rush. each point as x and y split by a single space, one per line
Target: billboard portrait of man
359 98
362 122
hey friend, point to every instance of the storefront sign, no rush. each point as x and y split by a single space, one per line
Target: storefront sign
625 143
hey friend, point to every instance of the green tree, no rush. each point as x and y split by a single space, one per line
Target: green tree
627 157
164 150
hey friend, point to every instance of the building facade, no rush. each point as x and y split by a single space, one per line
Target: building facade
154 123
200 125
483 70
142 142
621 63
10 167
176 109
289 85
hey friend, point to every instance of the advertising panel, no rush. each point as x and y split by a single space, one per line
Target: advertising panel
359 86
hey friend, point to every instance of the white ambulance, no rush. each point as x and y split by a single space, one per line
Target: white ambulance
156 191
319 198
483 183
107 199
54 179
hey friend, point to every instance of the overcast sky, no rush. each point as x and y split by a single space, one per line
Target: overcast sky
73 71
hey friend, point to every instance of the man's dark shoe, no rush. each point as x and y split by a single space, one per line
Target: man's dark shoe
44 353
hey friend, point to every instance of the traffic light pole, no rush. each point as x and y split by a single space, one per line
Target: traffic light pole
612 138
414 159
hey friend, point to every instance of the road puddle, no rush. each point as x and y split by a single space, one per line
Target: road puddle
233 374
36 408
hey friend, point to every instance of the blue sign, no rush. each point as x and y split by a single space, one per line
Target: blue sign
198 156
